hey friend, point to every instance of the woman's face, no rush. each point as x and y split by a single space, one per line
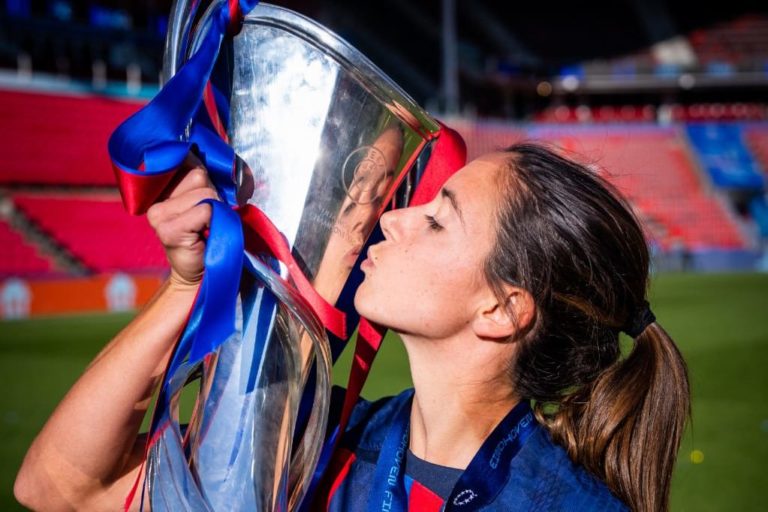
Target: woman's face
426 277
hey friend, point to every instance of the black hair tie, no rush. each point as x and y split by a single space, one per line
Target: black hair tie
639 321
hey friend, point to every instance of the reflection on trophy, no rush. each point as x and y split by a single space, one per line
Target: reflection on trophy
366 177
324 143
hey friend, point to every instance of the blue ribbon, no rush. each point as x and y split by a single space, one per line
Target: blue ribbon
156 136
159 137
212 320
218 294
490 469
479 484
388 492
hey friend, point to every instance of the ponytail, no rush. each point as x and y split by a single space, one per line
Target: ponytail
567 237
627 426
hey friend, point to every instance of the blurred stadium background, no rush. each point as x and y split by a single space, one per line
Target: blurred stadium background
668 99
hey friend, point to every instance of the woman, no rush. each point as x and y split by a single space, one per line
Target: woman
511 286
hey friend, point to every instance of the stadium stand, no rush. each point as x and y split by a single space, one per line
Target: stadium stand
485 137
58 139
756 136
719 112
738 44
665 113
18 257
652 166
95 229
723 50
601 114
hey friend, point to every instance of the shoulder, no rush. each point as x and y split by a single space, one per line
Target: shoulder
368 422
545 478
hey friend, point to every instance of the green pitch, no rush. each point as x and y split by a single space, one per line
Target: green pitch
719 321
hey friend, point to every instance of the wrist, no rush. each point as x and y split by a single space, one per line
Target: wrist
178 283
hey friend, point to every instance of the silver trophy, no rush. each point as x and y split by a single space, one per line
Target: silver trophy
325 142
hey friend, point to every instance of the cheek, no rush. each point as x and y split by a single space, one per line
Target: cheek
426 295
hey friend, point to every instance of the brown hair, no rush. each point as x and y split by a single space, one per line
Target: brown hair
569 239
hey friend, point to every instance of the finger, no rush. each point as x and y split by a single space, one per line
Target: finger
170 208
194 178
185 230
191 161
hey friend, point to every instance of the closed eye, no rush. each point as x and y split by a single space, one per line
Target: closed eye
433 224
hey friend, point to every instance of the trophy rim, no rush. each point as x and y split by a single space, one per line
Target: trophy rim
183 36
352 60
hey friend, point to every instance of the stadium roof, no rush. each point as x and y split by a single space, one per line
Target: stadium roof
404 37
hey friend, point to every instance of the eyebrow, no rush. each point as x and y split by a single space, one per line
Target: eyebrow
451 196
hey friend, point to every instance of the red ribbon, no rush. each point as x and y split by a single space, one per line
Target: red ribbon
260 235
209 101
235 18
140 191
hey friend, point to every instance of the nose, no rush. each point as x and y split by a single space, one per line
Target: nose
387 222
397 223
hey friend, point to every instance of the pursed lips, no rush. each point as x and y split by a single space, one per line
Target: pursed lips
370 257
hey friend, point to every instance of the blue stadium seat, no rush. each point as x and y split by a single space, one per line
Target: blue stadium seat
725 156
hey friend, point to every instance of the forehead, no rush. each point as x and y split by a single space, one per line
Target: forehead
479 179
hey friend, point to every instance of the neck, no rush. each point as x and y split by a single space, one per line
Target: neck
462 393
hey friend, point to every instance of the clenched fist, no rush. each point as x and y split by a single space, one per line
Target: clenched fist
179 222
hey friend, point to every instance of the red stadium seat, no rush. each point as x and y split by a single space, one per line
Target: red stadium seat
740 42
18 257
486 137
652 167
58 139
96 230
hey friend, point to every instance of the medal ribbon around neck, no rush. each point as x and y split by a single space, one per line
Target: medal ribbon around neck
479 484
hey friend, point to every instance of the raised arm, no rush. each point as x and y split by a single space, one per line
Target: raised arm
89 452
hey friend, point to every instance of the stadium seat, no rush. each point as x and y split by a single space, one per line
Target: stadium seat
738 43
19 257
486 137
96 230
58 139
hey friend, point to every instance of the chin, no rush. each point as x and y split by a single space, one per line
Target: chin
360 300
365 304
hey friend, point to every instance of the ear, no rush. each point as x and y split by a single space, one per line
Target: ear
505 319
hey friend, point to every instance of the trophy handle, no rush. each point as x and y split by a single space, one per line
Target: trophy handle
304 456
180 22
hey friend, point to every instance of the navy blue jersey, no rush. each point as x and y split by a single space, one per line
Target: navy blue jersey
542 477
